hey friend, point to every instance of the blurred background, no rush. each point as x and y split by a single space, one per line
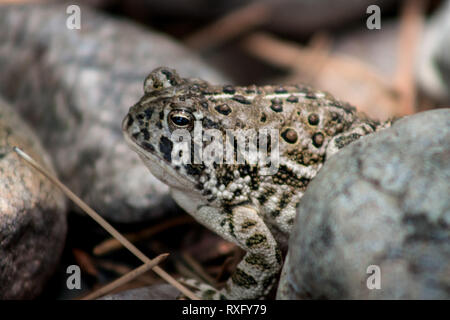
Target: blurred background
73 87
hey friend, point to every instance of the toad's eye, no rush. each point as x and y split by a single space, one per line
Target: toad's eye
181 119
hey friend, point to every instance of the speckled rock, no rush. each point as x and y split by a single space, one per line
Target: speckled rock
433 63
382 201
154 292
32 213
75 87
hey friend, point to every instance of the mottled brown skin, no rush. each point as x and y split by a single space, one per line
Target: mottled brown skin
237 201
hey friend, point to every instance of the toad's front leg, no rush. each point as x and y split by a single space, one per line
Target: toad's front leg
256 273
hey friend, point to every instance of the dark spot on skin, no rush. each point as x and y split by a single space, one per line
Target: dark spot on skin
148 113
263 117
278 256
145 133
255 240
262 199
348 108
344 106
231 226
241 99
135 135
318 139
334 115
165 146
208 124
284 200
159 124
193 170
275 213
223 109
290 222
277 105
169 77
280 90
310 95
268 282
229 89
257 260
204 104
285 176
167 73
266 194
161 115
313 119
248 223
289 135
130 121
208 294
243 279
140 116
292 99
148 146
250 91
345 140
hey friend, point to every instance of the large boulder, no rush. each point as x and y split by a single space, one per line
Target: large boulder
377 210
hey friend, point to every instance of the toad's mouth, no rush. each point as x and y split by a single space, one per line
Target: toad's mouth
160 167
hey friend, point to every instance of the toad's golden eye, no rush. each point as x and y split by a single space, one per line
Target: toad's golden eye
181 119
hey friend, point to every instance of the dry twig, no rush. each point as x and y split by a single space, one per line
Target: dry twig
126 278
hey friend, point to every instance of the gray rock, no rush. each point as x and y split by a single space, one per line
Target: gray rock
75 87
32 213
384 201
433 63
154 292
